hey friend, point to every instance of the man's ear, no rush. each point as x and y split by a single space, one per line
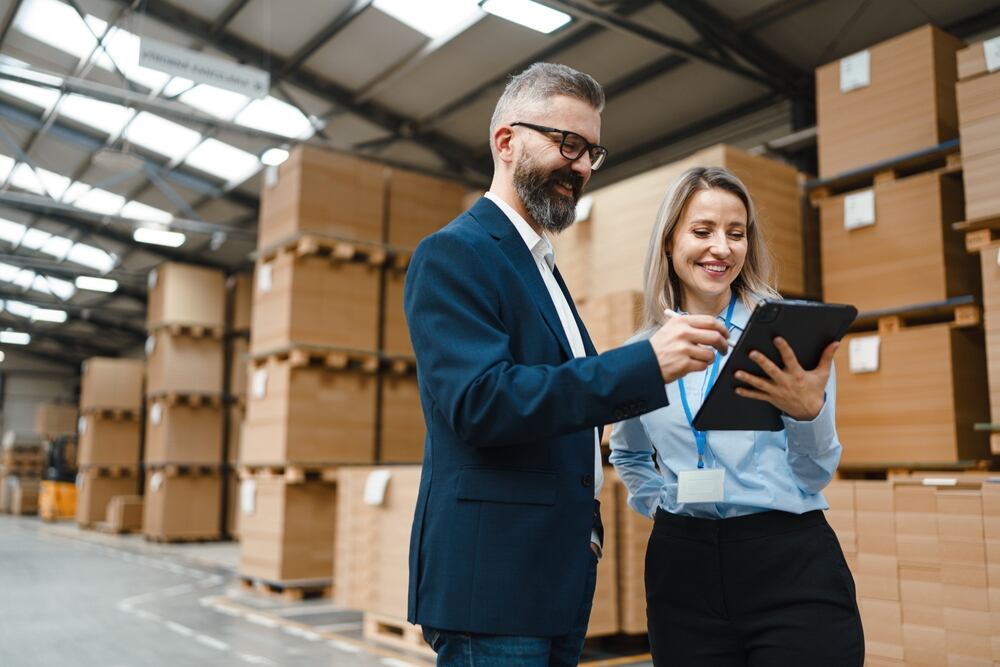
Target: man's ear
503 139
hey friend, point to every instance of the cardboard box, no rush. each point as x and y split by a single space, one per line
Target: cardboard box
240 289
922 594
978 93
990 265
23 494
395 333
183 364
874 517
402 430
839 495
237 416
908 105
238 349
923 645
314 300
921 403
877 576
420 205
308 414
94 490
883 625
54 419
188 295
182 507
233 506
624 215
872 266
287 530
107 440
612 319
124 514
183 433
322 192
111 383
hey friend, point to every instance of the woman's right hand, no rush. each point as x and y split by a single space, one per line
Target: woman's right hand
685 344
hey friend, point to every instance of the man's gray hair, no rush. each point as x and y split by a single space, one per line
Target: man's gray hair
536 86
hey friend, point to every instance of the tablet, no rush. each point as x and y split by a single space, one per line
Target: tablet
808 326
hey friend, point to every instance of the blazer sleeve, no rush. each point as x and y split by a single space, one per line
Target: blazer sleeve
464 361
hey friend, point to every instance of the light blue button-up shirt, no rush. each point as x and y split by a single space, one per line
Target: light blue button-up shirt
765 470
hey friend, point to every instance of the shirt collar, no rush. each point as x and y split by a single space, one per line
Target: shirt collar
539 245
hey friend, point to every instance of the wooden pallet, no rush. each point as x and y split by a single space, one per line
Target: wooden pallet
979 232
183 539
193 400
113 414
395 633
399 365
291 591
959 312
183 469
337 249
334 358
111 529
191 330
116 471
291 473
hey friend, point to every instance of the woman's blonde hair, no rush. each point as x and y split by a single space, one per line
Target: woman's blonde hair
662 286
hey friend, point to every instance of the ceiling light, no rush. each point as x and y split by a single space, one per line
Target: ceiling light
528 13
15 337
433 18
272 157
96 284
48 315
155 236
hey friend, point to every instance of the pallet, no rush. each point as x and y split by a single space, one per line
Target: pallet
979 232
116 471
334 358
191 330
337 249
399 261
182 539
290 591
943 158
291 473
395 633
183 469
111 529
113 414
192 400
399 365
960 311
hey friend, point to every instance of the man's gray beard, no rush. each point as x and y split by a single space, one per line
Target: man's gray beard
553 213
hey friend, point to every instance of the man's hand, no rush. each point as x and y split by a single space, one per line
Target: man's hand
684 344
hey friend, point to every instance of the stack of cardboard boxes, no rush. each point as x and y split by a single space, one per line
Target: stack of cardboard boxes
110 435
330 377
239 305
979 125
55 419
911 391
22 460
184 406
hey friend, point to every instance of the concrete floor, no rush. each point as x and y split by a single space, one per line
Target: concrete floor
83 599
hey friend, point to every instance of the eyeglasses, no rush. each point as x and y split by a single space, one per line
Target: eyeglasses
573 146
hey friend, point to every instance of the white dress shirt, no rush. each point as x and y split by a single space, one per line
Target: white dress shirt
545 260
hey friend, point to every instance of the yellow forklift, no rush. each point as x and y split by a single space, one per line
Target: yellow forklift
57 495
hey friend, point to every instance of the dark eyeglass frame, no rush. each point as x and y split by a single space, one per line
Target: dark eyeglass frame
596 161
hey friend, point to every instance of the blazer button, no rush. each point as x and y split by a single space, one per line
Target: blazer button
587 480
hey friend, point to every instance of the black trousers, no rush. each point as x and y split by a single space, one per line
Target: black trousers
764 590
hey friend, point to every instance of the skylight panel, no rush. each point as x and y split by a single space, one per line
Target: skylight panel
58 25
57 246
528 13
433 18
91 257
227 162
161 135
100 201
39 181
10 231
8 272
139 211
39 96
220 103
35 239
158 236
105 116
49 315
272 115
123 47
19 308
61 288
15 337
106 285
176 86
6 164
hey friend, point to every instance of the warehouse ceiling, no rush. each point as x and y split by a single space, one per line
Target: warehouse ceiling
94 147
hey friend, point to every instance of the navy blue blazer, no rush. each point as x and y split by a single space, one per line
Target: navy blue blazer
501 534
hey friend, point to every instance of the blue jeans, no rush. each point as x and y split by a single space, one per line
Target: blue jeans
463 649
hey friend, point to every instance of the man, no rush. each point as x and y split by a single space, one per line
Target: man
507 532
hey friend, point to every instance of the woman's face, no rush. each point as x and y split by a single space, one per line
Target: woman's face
709 245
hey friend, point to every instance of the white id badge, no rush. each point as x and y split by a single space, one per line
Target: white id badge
701 486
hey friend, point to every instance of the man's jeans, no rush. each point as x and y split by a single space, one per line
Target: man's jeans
462 649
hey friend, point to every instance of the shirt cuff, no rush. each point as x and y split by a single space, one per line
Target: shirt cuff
811 433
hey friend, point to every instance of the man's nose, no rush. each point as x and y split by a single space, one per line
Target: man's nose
582 165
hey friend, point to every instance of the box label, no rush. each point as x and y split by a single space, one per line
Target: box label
259 383
863 354
156 413
991 49
248 497
270 176
79 480
81 425
150 345
855 71
151 279
375 486
264 278
859 209
155 482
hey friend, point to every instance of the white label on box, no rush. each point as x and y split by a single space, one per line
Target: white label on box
940 481
8 438
79 480
859 209
151 279
155 482
248 497
156 413
855 71
863 353
375 487
991 49
998 257
264 278
150 345
81 425
259 383
271 176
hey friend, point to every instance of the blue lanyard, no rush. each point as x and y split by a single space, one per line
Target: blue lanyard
701 437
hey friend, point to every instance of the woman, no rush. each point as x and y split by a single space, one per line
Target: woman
755 576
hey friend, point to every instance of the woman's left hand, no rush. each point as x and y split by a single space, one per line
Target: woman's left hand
798 393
